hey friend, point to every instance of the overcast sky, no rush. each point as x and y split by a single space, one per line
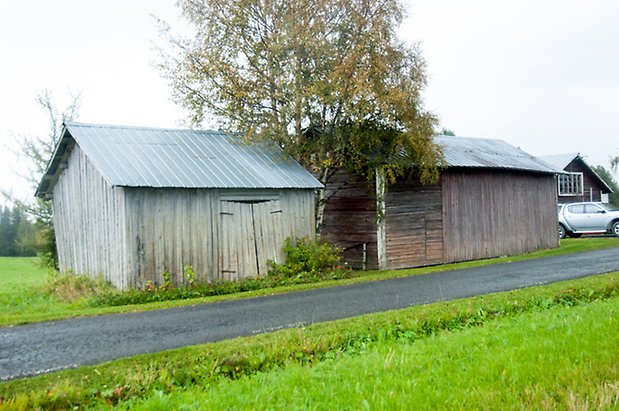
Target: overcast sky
541 75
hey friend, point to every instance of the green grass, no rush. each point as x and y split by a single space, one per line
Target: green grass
23 299
17 274
563 357
500 336
21 292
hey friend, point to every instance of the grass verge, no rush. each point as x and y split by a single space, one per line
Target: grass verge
559 358
202 366
24 299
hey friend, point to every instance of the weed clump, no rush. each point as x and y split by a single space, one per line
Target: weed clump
307 261
310 259
70 288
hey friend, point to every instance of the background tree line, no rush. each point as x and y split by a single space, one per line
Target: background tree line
18 235
607 176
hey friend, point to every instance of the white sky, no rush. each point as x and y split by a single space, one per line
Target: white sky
541 75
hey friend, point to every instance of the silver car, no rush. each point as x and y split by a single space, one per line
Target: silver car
587 218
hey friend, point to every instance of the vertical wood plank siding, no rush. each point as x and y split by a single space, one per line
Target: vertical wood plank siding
89 222
489 214
132 235
468 215
350 218
414 224
169 229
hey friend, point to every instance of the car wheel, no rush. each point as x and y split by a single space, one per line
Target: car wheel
615 229
561 232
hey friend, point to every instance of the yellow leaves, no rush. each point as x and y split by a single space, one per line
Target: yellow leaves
275 68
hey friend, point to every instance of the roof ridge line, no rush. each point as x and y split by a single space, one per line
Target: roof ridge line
130 127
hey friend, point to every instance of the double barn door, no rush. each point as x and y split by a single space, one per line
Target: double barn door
251 235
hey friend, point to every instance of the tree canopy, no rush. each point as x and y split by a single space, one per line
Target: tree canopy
606 175
327 80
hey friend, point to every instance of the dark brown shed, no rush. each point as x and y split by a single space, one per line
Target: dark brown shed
492 200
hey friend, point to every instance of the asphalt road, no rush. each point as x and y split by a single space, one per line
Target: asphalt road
38 348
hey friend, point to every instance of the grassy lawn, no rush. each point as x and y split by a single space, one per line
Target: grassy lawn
21 291
557 358
23 298
19 274
545 347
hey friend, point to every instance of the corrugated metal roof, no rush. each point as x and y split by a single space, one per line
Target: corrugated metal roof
153 157
489 153
560 160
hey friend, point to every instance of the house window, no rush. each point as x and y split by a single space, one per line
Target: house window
570 184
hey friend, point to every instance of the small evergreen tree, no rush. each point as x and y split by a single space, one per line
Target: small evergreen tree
5 228
608 179
17 233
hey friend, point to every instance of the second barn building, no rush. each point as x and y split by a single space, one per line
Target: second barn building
492 200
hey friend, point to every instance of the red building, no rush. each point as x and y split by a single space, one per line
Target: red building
580 183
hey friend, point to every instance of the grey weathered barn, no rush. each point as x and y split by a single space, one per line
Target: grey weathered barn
492 199
130 203
579 182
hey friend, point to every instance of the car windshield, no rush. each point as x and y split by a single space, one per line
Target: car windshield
609 207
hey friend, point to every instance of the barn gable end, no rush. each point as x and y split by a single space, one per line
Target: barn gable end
89 221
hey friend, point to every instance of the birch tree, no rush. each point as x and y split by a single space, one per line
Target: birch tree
327 80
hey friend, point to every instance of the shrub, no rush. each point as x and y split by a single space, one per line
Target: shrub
70 287
308 258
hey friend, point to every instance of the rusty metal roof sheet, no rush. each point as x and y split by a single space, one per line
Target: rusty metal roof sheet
489 153
154 157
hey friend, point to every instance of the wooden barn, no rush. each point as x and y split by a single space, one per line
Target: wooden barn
579 182
492 200
132 203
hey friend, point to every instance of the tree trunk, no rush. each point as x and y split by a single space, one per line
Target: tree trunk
321 201
381 240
